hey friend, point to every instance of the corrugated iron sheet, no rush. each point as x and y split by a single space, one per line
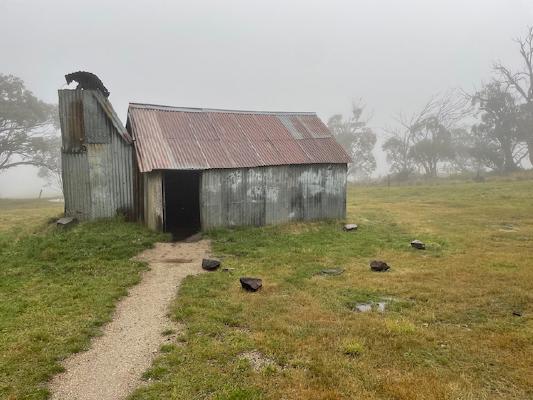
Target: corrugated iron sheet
97 157
71 119
271 195
187 138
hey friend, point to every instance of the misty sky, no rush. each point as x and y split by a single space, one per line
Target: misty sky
266 55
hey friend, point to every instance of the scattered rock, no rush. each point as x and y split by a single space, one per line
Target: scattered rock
251 284
417 244
517 313
381 305
228 269
350 227
332 271
210 264
194 238
66 222
363 307
379 266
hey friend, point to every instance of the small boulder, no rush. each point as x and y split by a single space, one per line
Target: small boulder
66 222
363 307
251 284
379 266
210 264
417 244
350 227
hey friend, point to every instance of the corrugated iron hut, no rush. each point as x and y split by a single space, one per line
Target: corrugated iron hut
203 168
96 155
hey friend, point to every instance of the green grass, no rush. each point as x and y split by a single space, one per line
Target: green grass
448 332
57 287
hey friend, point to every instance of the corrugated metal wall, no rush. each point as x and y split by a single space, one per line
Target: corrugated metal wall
269 195
153 200
76 186
110 171
71 119
97 173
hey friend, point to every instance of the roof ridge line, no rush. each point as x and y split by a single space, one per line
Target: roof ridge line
161 107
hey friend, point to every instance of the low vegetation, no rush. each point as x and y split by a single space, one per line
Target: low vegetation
448 331
457 322
57 287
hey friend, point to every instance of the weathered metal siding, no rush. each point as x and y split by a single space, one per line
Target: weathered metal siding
110 171
269 195
95 121
76 186
71 119
97 157
153 200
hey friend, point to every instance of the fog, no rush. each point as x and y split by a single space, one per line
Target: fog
260 55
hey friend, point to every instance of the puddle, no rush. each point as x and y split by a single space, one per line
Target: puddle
332 271
378 306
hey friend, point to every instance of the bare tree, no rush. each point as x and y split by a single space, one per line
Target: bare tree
521 81
397 148
424 139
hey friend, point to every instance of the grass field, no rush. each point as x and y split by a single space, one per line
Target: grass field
56 289
448 331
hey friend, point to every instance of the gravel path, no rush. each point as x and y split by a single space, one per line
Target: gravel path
111 369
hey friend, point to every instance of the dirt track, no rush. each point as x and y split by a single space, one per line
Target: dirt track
112 367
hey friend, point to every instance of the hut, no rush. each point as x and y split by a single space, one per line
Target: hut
96 156
200 168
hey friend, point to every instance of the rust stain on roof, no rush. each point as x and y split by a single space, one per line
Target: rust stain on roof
194 138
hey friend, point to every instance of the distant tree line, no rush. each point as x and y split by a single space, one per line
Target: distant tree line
455 132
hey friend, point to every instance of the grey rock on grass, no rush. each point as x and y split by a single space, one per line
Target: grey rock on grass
379 266
350 227
251 284
417 244
210 264
66 222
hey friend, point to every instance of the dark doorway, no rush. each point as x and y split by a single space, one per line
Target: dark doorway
182 203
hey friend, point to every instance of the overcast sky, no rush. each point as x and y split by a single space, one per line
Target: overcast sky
267 55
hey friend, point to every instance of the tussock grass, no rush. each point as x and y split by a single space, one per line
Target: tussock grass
57 288
448 331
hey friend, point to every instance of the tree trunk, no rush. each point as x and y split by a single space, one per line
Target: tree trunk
508 160
530 150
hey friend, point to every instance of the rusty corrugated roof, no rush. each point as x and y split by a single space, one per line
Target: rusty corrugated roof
197 138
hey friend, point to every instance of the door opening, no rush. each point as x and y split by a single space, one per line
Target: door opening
182 203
